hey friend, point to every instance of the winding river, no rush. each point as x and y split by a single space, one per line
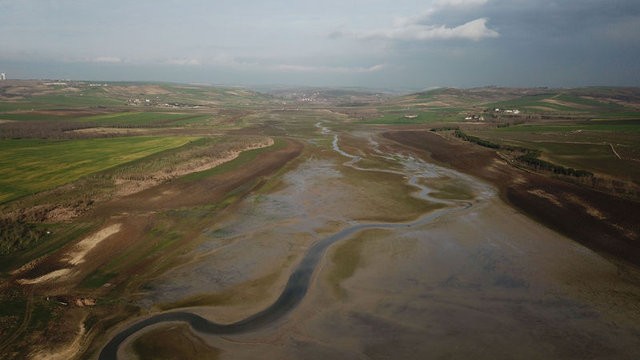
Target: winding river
300 279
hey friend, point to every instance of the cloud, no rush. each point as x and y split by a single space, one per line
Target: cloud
438 6
422 27
413 30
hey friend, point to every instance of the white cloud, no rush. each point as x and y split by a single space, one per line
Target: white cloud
439 5
422 26
413 30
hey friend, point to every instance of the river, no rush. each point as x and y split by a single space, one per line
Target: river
413 169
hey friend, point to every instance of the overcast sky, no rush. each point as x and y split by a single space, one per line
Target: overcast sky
398 44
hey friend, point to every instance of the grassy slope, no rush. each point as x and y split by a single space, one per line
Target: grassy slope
34 165
142 118
582 146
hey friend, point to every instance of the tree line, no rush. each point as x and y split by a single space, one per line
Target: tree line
529 157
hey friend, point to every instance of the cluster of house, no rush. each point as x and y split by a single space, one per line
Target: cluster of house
496 111
313 97
507 111
3 76
158 103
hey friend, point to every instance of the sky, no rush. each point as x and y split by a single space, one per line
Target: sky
393 44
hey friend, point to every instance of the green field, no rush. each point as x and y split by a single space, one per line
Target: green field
136 119
559 103
624 128
73 100
30 166
584 146
395 118
143 118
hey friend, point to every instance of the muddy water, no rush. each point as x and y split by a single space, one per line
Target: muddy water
473 279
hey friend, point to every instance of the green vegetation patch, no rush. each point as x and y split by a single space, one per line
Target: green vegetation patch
143 118
44 239
596 157
409 117
591 126
33 116
531 160
345 260
18 235
97 279
89 98
244 158
30 166
450 189
538 101
527 157
560 102
348 256
248 292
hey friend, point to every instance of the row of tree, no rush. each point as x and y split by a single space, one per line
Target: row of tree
529 157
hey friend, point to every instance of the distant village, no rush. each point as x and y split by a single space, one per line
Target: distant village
493 113
157 102
496 111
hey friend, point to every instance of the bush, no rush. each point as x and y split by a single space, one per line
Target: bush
18 235
444 128
476 140
534 162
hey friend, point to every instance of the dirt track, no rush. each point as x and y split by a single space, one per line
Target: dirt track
599 221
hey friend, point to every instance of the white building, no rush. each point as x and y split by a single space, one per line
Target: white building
3 76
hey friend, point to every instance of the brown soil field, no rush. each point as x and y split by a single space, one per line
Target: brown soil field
599 221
